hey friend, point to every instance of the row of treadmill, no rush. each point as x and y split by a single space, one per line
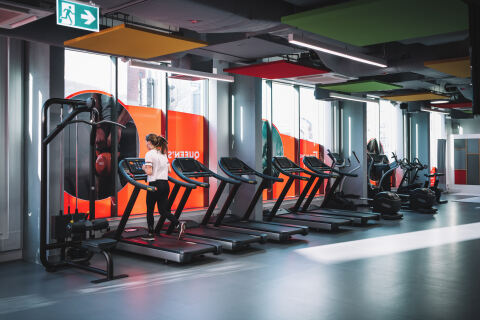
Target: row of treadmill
222 232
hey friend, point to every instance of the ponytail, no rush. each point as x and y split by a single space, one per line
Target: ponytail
159 142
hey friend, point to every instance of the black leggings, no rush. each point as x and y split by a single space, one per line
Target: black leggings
160 197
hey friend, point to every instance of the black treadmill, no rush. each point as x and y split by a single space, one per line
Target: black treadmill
238 170
293 171
188 168
164 246
319 167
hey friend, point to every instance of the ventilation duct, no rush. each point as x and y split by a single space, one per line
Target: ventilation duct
466 91
13 15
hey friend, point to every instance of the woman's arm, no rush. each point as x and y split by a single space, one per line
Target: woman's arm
148 169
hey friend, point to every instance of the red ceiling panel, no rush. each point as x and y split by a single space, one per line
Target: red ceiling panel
452 105
276 70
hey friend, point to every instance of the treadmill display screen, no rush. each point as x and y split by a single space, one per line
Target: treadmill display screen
135 166
189 165
284 163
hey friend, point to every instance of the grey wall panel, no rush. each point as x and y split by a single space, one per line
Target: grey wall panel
11 144
353 138
472 169
459 143
460 159
420 139
469 126
472 145
218 132
246 143
3 137
37 84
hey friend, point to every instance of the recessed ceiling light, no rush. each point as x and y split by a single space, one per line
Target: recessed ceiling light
351 98
311 44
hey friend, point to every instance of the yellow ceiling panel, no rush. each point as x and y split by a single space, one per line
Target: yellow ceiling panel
458 67
131 41
415 97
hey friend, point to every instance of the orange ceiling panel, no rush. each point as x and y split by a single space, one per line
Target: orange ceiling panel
131 41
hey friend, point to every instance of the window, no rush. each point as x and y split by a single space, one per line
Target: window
389 128
284 128
300 125
89 75
373 121
437 132
312 126
142 108
187 131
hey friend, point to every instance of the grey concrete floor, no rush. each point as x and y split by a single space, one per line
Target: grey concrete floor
278 281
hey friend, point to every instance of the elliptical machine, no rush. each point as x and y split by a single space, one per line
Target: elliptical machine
427 184
418 199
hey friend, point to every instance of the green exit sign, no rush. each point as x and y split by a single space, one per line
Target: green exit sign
78 15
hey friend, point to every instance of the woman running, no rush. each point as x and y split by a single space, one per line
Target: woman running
157 169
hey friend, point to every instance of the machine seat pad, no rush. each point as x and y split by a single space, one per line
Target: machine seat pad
99 245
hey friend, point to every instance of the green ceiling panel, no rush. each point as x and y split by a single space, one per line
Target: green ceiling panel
361 86
366 22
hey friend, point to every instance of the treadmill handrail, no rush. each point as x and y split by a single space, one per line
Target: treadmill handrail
266 176
182 183
321 172
134 182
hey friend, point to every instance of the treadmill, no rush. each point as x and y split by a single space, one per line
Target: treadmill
188 168
238 170
317 166
164 247
315 221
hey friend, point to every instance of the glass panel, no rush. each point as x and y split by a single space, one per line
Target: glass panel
285 126
437 131
312 129
187 128
373 119
143 93
388 127
92 75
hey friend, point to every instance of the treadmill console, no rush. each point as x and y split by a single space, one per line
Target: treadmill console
287 165
316 163
236 166
134 168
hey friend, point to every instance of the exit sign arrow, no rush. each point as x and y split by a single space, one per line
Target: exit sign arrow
88 16
78 15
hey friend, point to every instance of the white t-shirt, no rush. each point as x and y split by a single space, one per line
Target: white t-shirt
159 163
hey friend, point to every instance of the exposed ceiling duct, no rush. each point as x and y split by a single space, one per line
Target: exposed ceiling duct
207 16
14 14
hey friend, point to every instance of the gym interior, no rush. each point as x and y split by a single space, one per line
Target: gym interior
323 155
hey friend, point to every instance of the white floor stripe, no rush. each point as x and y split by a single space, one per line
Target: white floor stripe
380 246
168 277
472 199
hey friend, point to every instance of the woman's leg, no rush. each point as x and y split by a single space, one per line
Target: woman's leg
162 202
151 199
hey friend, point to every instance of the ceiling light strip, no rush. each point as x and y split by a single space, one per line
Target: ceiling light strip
336 51
351 98
186 72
